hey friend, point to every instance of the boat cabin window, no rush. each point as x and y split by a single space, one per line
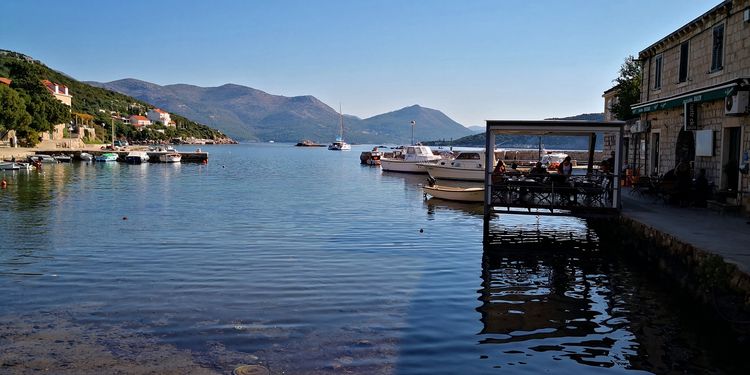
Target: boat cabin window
410 150
468 156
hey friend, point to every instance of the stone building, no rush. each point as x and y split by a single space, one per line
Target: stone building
61 93
694 98
157 115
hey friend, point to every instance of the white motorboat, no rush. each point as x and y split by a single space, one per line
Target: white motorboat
63 158
14 166
553 159
85 156
170 157
43 159
339 144
106 157
467 166
409 159
136 157
460 194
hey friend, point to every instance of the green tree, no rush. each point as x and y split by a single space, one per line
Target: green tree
628 85
44 108
13 115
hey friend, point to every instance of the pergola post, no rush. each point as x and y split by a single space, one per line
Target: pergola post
489 149
592 146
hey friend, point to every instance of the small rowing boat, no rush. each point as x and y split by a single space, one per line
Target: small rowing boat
472 194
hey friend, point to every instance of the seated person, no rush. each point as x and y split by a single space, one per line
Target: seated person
499 172
514 170
566 167
499 168
604 167
538 170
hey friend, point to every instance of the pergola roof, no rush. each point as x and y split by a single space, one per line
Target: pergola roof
553 127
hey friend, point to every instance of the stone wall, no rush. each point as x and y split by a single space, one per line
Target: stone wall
718 286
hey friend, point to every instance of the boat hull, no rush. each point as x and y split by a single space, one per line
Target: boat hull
455 194
343 147
170 158
396 165
446 172
106 157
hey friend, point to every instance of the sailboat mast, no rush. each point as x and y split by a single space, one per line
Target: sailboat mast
341 122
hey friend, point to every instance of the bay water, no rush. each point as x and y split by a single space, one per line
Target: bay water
306 262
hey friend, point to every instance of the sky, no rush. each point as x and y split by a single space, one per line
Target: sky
473 60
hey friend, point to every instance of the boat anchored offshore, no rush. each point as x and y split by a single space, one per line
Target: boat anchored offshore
339 144
408 161
459 194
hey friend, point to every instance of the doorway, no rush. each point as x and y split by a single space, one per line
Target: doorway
655 153
730 160
685 147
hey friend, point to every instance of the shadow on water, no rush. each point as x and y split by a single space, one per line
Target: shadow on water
561 299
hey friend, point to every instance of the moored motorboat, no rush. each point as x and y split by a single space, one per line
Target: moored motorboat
106 157
408 160
467 166
63 158
370 157
42 158
170 157
552 159
459 194
85 156
136 157
14 166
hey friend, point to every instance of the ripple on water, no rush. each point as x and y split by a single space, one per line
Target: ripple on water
303 261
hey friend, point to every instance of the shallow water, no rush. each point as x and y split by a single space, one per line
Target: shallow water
304 261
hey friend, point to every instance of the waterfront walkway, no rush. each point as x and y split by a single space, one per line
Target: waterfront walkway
726 235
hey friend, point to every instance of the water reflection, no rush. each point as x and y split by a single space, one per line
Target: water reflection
556 296
435 205
554 304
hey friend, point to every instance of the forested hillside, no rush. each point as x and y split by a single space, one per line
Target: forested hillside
34 109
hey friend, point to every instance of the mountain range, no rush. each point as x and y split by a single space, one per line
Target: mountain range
248 114
530 141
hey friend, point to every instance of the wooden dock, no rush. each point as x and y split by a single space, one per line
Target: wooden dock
187 157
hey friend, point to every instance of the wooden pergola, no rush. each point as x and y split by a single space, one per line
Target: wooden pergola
553 196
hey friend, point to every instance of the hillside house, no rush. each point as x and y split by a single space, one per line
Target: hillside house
139 121
694 100
157 115
5 81
59 91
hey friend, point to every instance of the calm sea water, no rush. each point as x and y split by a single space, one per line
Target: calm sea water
305 261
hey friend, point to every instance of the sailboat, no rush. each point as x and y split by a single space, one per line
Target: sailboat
339 144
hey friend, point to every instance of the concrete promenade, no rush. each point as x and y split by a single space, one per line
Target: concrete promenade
726 235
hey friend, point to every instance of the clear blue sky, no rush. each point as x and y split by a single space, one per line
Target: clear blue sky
473 60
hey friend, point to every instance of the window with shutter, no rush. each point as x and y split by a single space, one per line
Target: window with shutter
717 54
684 53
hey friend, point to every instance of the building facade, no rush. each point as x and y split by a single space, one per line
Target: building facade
694 95
157 115
139 121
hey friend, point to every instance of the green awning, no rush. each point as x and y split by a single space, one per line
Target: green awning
696 97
